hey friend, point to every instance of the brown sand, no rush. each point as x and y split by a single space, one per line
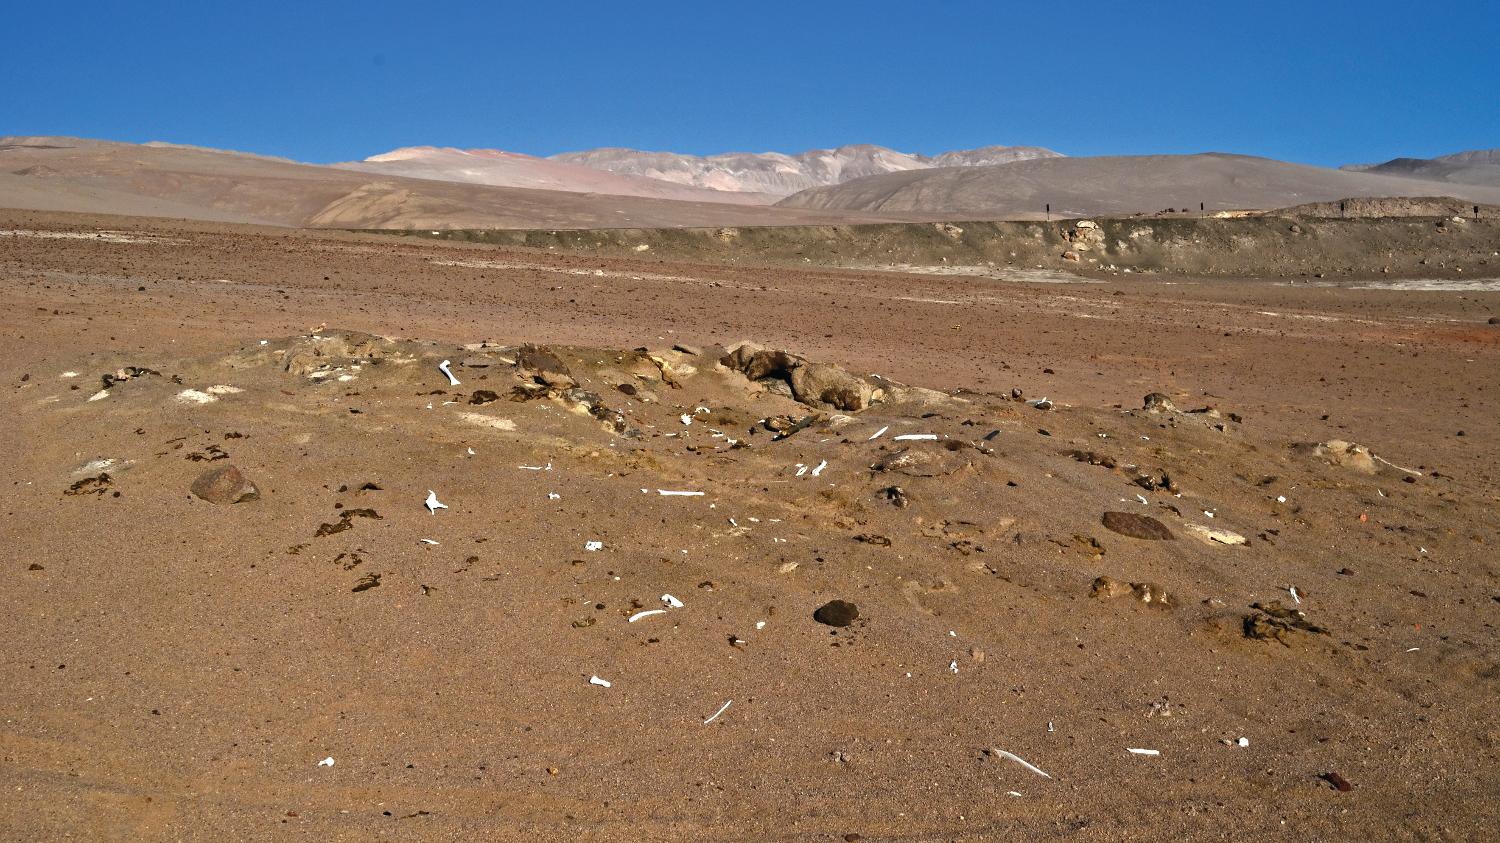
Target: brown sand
178 669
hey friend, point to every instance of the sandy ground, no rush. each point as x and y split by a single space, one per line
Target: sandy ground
179 668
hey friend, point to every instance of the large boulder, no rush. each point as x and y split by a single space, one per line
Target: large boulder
542 366
1137 526
224 485
819 385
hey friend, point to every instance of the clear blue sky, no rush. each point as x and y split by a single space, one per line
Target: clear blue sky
1312 81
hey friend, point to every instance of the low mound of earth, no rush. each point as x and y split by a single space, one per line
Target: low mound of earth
1380 239
102 177
1118 185
496 590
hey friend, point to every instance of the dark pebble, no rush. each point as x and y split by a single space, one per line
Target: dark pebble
836 613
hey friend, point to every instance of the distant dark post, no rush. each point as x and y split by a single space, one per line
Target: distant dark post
1200 207
1476 212
1049 212
1341 210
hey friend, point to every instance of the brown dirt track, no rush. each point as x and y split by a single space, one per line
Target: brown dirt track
176 672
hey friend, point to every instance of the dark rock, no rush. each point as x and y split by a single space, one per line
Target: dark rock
1137 526
873 538
1158 403
687 349
628 389
366 582
483 396
345 522
1338 782
543 367
90 485
786 426
213 453
1275 622
1092 458
836 613
1494 320
528 391
897 496
224 485
125 374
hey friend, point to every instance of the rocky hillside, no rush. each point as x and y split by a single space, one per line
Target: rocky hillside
1117 185
512 169
1478 166
782 175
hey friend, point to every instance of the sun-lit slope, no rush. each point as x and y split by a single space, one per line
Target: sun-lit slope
1116 184
69 174
511 169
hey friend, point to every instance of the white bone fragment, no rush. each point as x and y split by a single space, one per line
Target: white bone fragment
723 708
193 396
443 367
1011 756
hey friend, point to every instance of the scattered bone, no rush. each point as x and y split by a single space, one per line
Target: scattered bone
715 716
1213 536
193 396
1011 756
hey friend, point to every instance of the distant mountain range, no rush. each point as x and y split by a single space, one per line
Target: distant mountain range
438 187
1119 185
779 174
1479 166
